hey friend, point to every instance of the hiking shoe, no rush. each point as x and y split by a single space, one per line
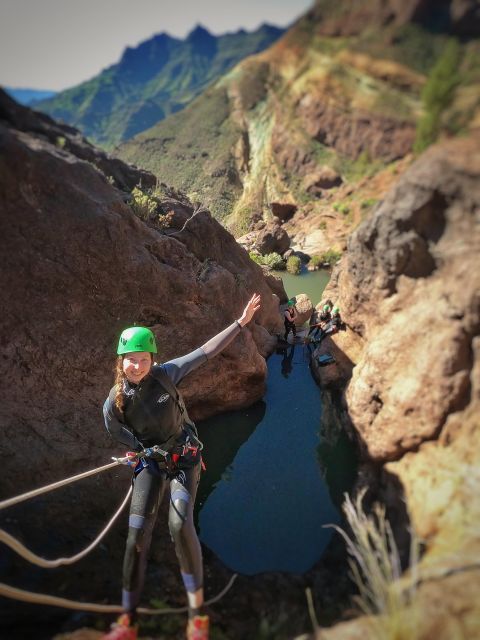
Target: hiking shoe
122 629
197 628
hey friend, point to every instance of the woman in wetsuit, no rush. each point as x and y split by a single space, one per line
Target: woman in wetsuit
290 315
145 412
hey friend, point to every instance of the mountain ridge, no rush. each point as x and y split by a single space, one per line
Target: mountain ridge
152 80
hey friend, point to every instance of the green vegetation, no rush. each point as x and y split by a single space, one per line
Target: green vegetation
409 44
192 151
437 95
330 257
368 203
316 261
143 204
341 207
294 265
375 568
272 260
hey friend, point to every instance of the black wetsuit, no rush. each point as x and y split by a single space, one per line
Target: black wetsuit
153 416
289 323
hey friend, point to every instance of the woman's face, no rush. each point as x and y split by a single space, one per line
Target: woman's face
136 365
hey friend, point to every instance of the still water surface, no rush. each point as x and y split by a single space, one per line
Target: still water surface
272 478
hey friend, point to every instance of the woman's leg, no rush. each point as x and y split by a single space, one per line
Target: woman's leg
183 490
148 490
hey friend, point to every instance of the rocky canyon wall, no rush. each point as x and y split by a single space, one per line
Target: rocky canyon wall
409 291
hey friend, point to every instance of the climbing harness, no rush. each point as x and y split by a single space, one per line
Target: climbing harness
28 596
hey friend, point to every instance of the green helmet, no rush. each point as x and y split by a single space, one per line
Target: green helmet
291 303
326 307
136 339
336 310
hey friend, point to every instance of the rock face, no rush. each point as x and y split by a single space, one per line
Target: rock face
409 292
70 140
458 17
334 126
79 267
412 273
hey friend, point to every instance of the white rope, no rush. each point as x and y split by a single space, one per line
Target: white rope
40 598
19 548
50 487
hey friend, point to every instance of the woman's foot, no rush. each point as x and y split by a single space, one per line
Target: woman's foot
123 629
197 628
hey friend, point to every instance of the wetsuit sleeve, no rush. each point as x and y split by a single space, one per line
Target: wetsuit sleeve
179 367
117 429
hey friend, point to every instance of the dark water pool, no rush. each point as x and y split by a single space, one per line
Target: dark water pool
274 473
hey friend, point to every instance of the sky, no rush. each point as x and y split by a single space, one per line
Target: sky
55 44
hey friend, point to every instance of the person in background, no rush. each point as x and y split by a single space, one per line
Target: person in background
332 326
290 316
145 412
325 316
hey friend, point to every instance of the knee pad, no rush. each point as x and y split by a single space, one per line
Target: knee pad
179 511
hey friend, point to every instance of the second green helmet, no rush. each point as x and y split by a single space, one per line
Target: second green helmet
136 339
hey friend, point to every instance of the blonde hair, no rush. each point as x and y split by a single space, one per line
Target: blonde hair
119 378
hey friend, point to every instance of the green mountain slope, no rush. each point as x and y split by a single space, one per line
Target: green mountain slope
343 90
151 81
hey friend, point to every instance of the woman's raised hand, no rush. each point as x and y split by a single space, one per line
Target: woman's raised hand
252 306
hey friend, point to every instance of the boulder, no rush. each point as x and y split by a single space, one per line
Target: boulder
324 178
273 238
304 307
283 210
